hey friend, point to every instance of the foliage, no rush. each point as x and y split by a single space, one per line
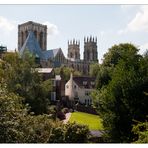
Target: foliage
65 72
122 99
22 78
94 69
76 133
18 126
117 52
141 130
94 122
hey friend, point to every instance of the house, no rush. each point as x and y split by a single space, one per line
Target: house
79 89
47 73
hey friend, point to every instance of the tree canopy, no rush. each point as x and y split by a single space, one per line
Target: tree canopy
120 97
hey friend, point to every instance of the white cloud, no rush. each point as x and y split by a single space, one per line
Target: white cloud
6 25
138 23
52 29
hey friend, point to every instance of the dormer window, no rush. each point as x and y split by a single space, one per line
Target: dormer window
92 83
84 82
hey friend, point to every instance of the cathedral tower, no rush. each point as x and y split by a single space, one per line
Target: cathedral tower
40 32
74 50
90 49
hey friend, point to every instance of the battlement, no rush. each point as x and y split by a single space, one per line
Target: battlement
90 40
74 42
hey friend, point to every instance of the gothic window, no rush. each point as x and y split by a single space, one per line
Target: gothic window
76 56
26 34
41 39
78 67
35 34
88 55
72 66
22 38
71 55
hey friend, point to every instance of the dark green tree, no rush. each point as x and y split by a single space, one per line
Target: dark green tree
123 99
22 78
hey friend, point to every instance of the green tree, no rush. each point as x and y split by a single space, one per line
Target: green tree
123 99
65 72
141 130
116 52
22 78
76 133
94 69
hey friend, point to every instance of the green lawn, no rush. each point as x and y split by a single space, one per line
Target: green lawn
93 121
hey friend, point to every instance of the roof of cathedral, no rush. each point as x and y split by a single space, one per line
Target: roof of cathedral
85 82
31 44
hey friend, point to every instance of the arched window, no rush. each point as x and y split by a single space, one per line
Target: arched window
35 34
71 55
22 38
76 55
26 34
41 40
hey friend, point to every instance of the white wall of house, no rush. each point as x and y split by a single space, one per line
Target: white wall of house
72 90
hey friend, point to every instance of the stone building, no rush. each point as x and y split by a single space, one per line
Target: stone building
33 37
39 30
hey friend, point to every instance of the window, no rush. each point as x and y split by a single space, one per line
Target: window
76 94
84 82
53 96
87 93
92 83
75 86
54 83
67 86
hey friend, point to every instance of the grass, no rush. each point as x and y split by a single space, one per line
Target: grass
93 121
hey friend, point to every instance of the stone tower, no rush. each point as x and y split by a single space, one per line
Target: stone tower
90 49
40 32
74 50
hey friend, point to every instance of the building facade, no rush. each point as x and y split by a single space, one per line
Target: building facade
79 89
33 37
39 30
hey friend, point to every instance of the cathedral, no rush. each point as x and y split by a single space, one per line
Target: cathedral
32 37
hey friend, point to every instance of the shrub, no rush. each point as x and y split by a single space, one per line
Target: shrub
65 110
61 115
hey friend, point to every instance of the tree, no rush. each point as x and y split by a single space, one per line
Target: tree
76 133
123 99
116 52
94 69
141 130
22 78
65 72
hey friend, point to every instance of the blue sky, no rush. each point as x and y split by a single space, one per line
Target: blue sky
112 24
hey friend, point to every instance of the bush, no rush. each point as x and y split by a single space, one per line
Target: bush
65 110
61 115
76 133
